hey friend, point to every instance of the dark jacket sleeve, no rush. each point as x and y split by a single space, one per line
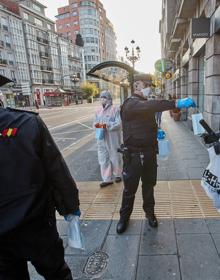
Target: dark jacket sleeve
141 106
64 189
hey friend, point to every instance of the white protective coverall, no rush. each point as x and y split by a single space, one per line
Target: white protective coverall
108 156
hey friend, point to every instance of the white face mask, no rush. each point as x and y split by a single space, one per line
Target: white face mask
146 92
103 101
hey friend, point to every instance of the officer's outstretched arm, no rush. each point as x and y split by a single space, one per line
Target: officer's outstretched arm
65 192
153 106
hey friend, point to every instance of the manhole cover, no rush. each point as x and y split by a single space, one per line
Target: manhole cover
96 264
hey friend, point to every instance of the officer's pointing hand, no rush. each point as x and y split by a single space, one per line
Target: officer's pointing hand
185 103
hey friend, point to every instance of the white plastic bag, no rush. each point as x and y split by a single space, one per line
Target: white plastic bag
164 149
197 128
211 178
75 238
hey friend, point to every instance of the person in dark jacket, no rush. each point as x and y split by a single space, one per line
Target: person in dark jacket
140 147
34 182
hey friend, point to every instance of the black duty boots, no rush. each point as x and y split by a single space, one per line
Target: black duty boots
121 226
105 184
152 220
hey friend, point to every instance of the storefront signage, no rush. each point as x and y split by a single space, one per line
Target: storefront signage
163 65
200 28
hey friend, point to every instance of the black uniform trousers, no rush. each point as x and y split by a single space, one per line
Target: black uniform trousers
44 249
141 165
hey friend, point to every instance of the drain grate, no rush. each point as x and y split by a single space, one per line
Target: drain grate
96 264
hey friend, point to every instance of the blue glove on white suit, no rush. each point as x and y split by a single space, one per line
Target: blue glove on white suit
185 103
69 217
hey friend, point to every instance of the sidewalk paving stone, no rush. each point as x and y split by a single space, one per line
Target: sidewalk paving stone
216 238
190 226
195 172
160 267
123 255
198 257
213 225
160 240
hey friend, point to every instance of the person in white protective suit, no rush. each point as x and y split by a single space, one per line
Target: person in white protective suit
109 159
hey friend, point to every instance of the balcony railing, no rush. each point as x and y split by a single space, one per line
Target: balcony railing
3 61
47 81
42 40
44 54
46 68
71 57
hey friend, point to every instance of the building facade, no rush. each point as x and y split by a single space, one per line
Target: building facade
89 19
196 71
13 55
31 52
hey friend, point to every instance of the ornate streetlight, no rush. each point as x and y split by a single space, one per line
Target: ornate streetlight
135 56
75 80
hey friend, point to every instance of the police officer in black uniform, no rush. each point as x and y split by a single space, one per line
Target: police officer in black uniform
34 182
140 147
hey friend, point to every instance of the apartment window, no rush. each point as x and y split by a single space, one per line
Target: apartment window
10 58
75 23
87 3
13 75
2 72
7 39
38 21
4 21
75 5
49 26
25 15
91 12
75 13
62 16
37 8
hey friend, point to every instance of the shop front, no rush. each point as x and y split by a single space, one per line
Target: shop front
53 99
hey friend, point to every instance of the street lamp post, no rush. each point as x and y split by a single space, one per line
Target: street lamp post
135 55
75 80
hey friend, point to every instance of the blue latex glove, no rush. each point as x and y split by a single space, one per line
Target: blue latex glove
185 103
69 217
160 134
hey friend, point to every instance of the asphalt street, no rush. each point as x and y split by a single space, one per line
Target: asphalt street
71 128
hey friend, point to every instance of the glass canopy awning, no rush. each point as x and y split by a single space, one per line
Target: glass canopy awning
114 72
